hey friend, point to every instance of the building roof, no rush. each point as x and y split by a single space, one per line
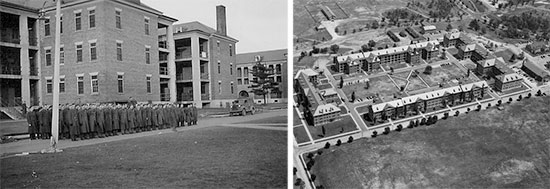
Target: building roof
451 36
309 72
427 96
468 47
326 109
509 77
538 69
194 26
373 55
267 56
429 27
328 92
488 62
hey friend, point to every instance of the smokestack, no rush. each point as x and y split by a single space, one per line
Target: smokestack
220 20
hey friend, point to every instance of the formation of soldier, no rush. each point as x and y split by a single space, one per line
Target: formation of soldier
91 121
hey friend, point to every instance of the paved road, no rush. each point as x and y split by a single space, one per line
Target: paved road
33 146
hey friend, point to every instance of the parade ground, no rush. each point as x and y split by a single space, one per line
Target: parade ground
227 152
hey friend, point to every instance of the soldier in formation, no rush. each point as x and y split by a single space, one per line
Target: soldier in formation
104 120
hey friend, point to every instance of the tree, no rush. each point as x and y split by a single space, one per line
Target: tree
365 48
368 85
474 25
350 139
327 145
428 70
375 25
391 68
323 130
411 124
423 121
338 142
263 82
353 96
457 113
399 127
386 130
334 48
341 82
449 27
374 133
372 43
512 58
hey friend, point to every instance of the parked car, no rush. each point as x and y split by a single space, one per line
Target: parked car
242 106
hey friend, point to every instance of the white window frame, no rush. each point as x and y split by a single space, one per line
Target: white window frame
46 53
92 82
77 83
94 43
148 84
50 79
118 75
79 11
62 81
62 54
81 49
90 16
121 50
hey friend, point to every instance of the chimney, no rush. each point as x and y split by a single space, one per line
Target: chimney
220 20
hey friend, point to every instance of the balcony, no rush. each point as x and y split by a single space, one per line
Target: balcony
10 39
181 76
33 71
33 41
163 70
10 70
204 76
205 97
163 44
183 54
203 55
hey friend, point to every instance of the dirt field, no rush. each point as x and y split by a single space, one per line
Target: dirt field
487 149
381 85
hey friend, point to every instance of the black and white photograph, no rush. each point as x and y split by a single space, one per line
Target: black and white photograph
421 94
143 94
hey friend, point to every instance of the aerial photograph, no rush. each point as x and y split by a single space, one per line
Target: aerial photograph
421 94
143 94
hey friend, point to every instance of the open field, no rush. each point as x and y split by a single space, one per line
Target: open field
381 85
415 84
300 134
445 74
213 157
487 149
296 120
278 119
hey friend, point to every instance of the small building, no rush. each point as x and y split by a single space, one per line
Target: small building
429 29
538 47
536 70
325 113
330 95
311 75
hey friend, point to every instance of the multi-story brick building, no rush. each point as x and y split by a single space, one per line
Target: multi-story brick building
373 60
317 110
205 64
426 102
108 51
505 78
275 60
455 39
536 70
19 60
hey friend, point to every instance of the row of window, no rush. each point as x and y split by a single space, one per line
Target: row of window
220 87
92 21
93 52
94 83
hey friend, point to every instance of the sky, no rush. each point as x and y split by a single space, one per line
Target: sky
259 25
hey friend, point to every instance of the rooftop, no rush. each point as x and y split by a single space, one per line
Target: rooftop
267 56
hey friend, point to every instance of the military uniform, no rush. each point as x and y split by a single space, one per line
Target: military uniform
31 120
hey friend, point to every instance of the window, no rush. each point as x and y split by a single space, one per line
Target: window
91 16
202 69
245 72
62 84
278 69
232 88
79 52
48 57
219 67
246 82
119 51
47 27
146 26
93 51
80 84
231 69
61 55
49 86
220 87
239 81
78 21
117 19
230 50
239 73
61 24
95 84
120 79
147 55
279 79
148 83
203 89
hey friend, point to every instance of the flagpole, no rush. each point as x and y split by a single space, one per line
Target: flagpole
55 110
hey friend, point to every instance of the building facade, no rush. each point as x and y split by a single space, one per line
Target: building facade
108 51
205 65
276 60
19 55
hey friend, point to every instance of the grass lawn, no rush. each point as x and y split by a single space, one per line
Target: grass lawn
445 74
506 55
402 75
324 86
300 134
278 119
416 84
487 149
296 120
378 85
400 82
213 157
362 109
394 66
344 125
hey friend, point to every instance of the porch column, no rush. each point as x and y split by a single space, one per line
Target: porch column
24 60
171 63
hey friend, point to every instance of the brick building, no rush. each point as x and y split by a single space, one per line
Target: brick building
505 78
536 70
373 60
319 107
275 60
19 50
426 102
109 51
